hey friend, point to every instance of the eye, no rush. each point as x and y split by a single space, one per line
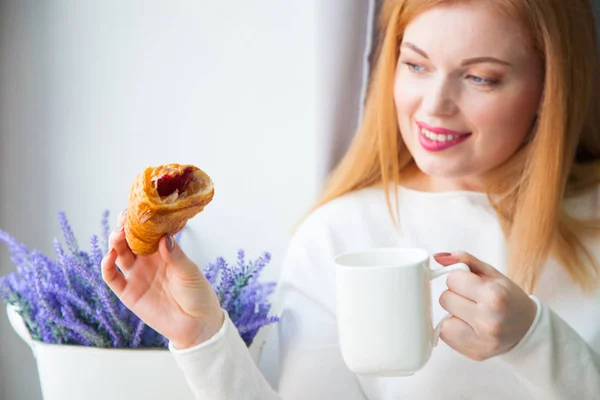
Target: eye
482 81
416 68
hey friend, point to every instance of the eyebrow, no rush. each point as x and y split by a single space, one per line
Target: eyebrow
464 63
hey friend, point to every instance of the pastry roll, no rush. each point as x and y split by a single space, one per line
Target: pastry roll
161 200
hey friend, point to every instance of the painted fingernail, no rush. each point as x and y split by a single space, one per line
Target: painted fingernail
441 255
447 259
170 243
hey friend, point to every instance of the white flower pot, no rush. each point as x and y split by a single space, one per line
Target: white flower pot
78 372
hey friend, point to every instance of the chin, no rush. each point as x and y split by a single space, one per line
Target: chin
443 168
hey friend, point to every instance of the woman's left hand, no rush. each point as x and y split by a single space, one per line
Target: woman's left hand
490 313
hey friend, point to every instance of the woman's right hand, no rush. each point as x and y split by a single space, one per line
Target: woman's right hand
165 289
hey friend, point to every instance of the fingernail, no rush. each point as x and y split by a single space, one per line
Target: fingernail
449 259
121 228
170 243
441 255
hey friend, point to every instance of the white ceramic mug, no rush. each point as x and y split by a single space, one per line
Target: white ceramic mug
384 311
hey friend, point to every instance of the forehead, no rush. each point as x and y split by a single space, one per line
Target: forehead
470 29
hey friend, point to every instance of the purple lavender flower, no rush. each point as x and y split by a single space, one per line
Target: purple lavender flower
241 294
65 301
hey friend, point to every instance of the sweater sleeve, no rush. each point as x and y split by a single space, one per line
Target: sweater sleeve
222 368
554 362
310 360
311 363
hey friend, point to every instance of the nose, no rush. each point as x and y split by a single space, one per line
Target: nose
439 99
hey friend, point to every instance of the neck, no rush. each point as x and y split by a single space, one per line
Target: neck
413 178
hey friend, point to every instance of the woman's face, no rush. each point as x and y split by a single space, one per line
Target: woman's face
467 90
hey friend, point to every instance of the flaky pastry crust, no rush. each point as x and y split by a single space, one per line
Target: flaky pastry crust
161 201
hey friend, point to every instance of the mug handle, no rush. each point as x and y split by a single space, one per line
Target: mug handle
434 273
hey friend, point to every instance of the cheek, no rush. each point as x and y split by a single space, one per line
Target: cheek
505 119
406 100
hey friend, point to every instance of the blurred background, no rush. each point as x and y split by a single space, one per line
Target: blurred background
264 96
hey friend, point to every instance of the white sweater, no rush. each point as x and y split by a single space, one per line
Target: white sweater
559 358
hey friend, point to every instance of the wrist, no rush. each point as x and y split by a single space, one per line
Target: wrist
530 331
206 329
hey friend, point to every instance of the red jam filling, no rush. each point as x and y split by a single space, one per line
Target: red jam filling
167 184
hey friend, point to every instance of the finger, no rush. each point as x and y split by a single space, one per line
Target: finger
111 274
459 306
466 284
125 257
122 218
174 256
459 335
477 266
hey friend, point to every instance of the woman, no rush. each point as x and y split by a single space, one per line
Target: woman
481 143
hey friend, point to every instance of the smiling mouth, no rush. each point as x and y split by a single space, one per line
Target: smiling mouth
441 137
